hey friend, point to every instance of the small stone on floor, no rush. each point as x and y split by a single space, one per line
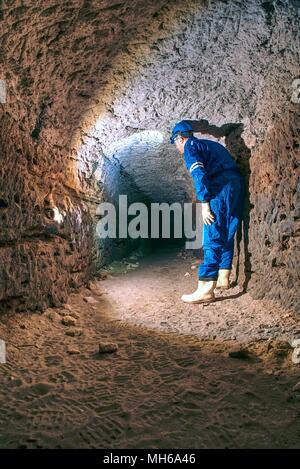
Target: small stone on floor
68 321
107 347
76 332
73 350
53 316
90 299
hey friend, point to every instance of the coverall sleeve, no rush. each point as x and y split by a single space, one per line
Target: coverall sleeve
195 165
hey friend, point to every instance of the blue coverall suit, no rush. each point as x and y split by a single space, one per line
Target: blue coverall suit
217 180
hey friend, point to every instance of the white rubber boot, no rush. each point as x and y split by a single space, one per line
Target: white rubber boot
223 279
203 294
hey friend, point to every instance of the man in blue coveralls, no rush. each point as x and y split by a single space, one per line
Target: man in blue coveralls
220 188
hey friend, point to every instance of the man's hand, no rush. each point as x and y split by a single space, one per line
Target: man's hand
207 215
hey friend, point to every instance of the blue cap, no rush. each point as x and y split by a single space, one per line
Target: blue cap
182 127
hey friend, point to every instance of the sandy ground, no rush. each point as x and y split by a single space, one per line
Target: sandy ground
170 384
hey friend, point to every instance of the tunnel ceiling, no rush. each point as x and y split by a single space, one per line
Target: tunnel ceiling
105 70
198 62
85 79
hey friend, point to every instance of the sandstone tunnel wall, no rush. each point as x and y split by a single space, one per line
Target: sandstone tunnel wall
84 75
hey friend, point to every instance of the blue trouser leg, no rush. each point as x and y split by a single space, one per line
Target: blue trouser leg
218 238
214 236
234 200
227 256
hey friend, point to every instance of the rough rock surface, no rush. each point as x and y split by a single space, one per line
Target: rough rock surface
93 89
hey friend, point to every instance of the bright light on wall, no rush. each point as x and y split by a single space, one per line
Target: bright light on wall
95 148
145 140
58 216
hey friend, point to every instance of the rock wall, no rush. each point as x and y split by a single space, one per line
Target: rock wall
86 80
275 218
46 237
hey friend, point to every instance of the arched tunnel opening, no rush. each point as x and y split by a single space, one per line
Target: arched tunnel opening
133 171
89 94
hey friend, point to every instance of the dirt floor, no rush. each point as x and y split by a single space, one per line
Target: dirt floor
171 383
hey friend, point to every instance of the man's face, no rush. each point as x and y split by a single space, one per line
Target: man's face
180 142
